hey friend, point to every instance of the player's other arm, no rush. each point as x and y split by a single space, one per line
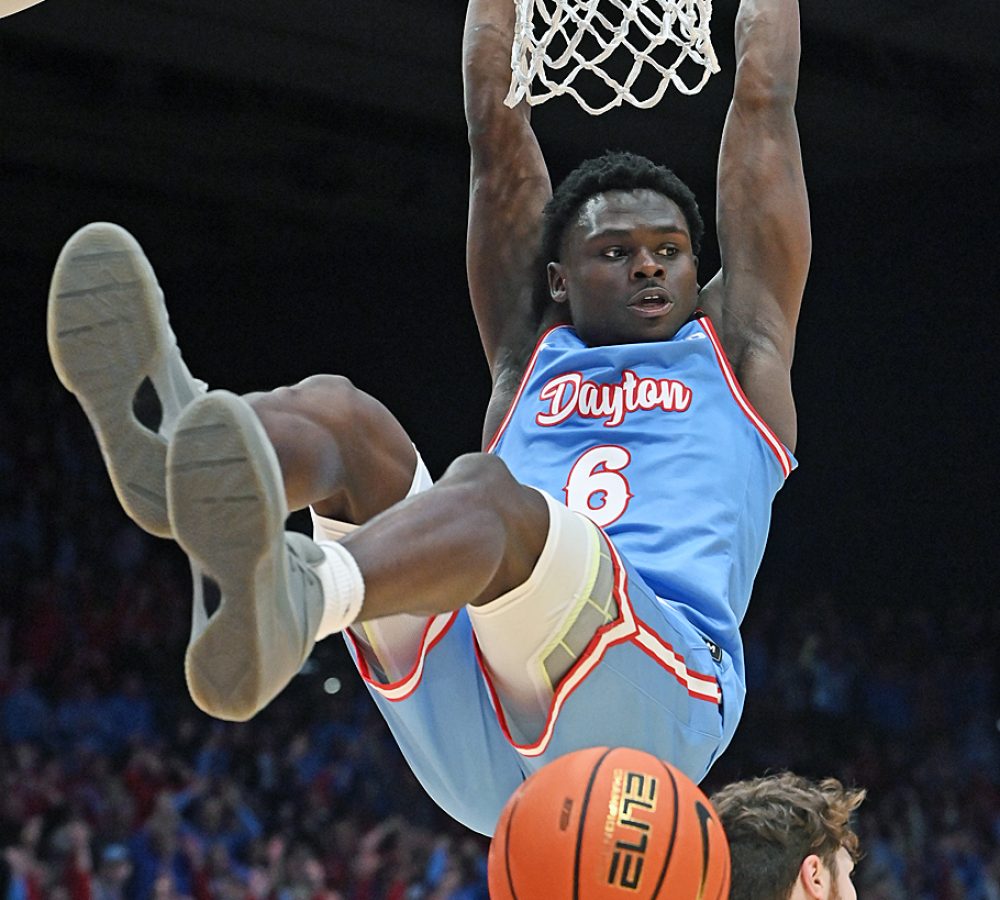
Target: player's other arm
763 212
509 187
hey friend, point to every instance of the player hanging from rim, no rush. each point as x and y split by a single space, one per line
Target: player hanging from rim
495 627
790 838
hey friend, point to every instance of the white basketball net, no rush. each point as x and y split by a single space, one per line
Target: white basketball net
557 40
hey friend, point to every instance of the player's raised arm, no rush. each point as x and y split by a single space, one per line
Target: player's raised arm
763 212
509 187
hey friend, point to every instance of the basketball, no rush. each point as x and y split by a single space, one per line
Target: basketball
9 7
608 823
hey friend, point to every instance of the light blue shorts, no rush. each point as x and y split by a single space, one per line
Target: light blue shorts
647 680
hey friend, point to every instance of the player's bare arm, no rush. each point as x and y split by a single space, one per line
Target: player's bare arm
763 213
509 186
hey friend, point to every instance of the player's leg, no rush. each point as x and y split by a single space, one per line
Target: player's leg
471 538
109 331
340 450
346 456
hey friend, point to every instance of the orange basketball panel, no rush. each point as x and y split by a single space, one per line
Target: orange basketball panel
600 824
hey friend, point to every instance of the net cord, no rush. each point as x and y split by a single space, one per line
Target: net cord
537 77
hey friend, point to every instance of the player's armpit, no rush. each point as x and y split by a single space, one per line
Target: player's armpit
764 374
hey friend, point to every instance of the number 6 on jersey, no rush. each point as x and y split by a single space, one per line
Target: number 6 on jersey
596 486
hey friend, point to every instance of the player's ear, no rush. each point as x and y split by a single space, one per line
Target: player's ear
810 878
557 282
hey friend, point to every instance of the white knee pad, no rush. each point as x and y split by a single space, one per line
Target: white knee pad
532 635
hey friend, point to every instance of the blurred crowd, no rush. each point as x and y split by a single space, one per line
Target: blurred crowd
113 785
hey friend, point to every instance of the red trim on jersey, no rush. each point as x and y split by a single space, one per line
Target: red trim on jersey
772 440
625 628
435 630
520 389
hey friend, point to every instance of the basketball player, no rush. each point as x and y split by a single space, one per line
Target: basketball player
790 838
495 624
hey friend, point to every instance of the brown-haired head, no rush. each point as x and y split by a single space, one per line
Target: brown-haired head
775 822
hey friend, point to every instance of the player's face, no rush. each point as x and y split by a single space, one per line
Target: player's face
843 888
627 273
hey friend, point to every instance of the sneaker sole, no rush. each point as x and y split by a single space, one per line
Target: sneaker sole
227 509
106 334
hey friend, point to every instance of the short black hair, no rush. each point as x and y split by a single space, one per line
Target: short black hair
614 171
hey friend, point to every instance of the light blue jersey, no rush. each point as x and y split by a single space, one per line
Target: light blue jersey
658 445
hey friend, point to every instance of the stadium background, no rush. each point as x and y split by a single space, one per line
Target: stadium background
297 175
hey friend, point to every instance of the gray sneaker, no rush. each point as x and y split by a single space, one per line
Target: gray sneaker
108 331
227 508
